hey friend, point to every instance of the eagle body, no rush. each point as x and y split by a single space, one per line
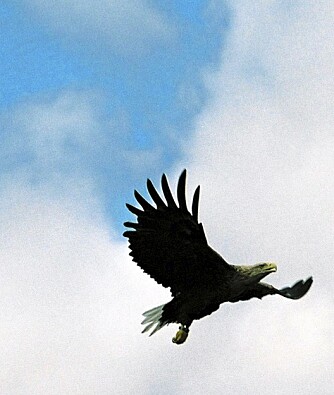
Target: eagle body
170 245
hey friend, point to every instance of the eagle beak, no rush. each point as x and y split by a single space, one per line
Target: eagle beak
272 267
181 335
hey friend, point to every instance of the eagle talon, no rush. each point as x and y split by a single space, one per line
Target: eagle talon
181 335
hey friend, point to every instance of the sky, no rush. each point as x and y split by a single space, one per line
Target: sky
95 98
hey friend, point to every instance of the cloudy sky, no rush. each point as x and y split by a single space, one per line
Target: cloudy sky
95 97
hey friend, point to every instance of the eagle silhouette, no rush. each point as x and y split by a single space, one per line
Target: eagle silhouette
170 245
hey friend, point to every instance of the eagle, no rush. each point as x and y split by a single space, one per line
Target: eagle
169 244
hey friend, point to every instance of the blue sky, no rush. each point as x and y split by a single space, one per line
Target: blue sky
97 96
146 85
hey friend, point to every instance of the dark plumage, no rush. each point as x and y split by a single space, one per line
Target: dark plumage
169 244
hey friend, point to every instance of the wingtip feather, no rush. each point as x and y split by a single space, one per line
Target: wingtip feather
181 190
195 203
154 194
143 202
167 192
134 210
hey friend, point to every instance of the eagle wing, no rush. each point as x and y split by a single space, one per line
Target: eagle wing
261 289
169 243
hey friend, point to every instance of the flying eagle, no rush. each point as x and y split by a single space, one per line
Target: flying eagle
170 245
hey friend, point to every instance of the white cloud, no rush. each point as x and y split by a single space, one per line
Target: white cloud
67 140
106 25
70 311
263 152
71 298
51 127
69 301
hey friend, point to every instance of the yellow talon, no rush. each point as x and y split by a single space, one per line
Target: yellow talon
181 336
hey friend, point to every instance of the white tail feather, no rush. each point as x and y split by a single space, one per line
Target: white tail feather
153 317
154 310
148 327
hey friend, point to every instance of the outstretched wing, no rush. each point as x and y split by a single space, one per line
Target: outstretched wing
297 290
168 242
260 290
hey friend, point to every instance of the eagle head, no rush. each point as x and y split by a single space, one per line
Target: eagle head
255 273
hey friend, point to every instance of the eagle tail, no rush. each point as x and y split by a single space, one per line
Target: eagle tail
153 317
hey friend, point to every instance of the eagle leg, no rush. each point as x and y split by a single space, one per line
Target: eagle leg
181 335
